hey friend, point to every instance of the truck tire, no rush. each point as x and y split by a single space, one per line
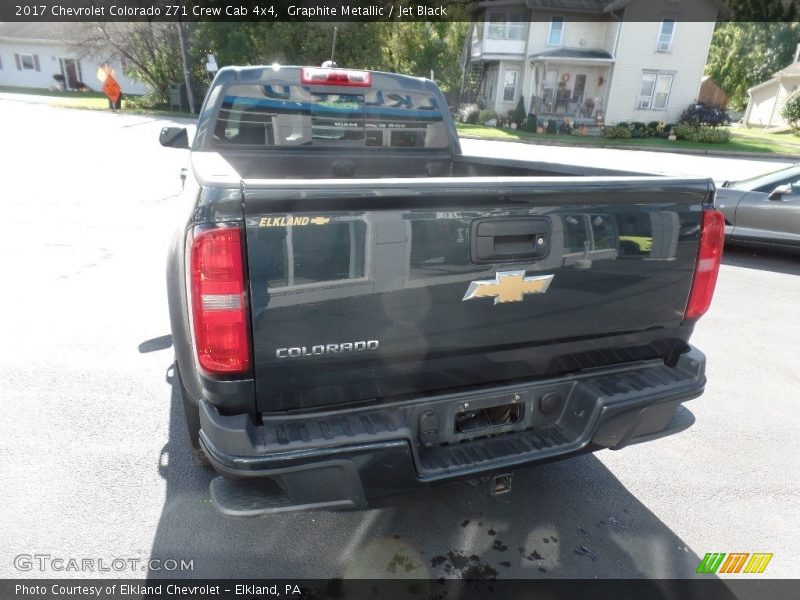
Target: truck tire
192 415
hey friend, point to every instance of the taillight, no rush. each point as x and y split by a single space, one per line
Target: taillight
325 76
712 238
219 301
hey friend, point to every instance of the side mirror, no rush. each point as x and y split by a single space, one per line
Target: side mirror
779 192
174 137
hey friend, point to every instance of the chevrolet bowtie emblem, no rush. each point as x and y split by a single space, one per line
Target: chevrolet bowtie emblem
508 286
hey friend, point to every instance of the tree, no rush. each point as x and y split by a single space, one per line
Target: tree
153 55
745 54
791 110
421 47
519 112
764 10
150 50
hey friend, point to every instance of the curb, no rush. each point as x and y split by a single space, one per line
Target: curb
696 152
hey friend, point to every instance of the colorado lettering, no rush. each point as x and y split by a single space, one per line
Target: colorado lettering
327 349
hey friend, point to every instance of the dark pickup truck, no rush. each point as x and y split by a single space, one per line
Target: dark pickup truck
358 309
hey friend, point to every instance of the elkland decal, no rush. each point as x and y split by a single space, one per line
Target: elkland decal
291 221
735 562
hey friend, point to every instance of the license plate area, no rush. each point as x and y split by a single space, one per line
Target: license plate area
482 419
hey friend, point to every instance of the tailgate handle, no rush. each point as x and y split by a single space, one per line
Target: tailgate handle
507 240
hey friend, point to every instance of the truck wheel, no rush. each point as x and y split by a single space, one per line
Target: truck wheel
192 414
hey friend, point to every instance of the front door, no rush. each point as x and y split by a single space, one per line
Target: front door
69 69
549 89
579 88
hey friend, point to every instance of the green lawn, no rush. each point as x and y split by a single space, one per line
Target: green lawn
741 140
40 92
789 141
90 101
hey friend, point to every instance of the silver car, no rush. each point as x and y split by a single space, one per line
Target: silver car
764 210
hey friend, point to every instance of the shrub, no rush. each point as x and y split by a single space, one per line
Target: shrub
653 125
713 135
684 131
637 133
702 133
469 113
484 115
791 110
623 125
705 114
623 133
552 127
519 112
530 124
639 125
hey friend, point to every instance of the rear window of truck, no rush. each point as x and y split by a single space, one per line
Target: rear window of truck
297 116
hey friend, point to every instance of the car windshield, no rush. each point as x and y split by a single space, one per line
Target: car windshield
792 171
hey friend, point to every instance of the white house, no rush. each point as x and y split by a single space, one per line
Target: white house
767 99
31 53
609 60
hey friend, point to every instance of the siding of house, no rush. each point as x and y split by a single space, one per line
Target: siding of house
48 55
592 30
762 102
788 85
637 52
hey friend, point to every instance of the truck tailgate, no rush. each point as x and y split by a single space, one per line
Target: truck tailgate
373 290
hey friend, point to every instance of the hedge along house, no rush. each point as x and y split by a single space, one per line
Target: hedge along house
32 53
767 99
592 60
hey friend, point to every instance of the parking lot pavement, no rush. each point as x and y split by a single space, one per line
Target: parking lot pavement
95 457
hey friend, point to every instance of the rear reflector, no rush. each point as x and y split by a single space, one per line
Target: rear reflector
712 238
219 301
323 76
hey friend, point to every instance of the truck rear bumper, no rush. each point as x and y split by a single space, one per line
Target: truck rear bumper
345 459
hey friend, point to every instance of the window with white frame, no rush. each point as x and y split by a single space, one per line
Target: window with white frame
655 89
510 85
666 35
506 25
27 62
556 35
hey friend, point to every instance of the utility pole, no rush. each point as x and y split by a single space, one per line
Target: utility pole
333 45
186 77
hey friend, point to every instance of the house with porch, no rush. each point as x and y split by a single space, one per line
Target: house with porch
596 61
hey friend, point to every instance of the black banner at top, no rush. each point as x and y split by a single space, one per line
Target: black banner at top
390 10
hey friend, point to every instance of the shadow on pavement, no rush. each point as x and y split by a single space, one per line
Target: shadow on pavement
154 345
764 260
570 519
